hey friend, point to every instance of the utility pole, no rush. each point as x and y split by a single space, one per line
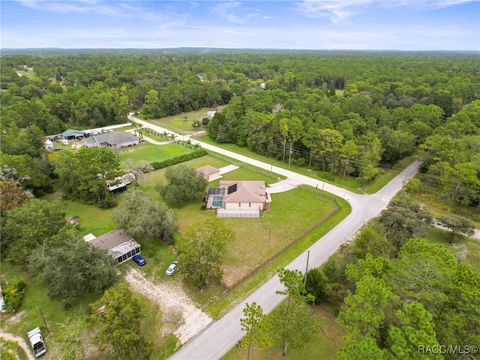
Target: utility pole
43 318
270 233
306 269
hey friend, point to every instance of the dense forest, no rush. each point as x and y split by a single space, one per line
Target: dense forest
348 114
343 115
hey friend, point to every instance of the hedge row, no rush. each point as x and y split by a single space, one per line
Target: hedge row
179 159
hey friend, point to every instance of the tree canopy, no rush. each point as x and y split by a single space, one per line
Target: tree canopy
201 252
144 218
184 185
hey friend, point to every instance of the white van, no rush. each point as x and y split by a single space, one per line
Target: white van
36 340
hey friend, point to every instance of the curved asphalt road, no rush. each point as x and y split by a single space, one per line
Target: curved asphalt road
217 339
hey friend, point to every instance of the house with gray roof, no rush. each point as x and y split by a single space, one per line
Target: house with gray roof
117 243
112 139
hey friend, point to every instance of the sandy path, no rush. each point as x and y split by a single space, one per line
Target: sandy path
20 342
172 301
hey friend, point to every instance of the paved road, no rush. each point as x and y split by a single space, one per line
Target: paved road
222 335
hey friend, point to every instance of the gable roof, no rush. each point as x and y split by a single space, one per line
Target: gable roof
207 170
111 240
112 137
247 191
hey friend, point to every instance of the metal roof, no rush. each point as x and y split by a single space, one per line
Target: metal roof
71 132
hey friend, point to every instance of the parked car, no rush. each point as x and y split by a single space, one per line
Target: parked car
139 260
172 268
37 343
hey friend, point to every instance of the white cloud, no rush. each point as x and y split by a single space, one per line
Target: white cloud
338 10
117 9
224 10
301 37
75 6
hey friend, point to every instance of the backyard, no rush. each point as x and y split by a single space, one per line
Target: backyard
91 219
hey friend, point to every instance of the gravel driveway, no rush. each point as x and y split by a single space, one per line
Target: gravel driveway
173 302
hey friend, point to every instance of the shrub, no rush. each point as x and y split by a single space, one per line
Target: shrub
13 295
315 285
157 165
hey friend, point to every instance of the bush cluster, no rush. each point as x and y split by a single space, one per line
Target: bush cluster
178 159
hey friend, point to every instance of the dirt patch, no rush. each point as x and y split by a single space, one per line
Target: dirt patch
180 313
15 318
19 341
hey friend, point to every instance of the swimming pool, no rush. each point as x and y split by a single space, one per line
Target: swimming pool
217 201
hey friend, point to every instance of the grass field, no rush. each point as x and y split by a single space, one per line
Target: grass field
256 240
91 218
349 183
324 344
153 179
216 301
181 123
295 206
150 153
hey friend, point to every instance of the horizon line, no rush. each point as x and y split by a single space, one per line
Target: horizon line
234 48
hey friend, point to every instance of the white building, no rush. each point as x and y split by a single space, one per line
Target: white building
238 198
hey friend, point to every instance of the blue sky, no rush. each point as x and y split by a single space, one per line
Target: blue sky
309 24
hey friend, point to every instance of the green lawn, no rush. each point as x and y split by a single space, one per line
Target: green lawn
216 301
91 218
349 183
35 301
253 242
181 123
154 179
296 206
150 153
324 344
